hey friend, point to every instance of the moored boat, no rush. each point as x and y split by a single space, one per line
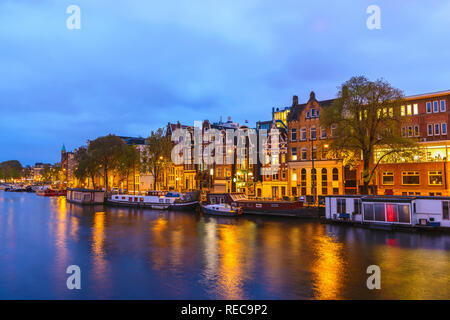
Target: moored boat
85 196
158 201
47 192
264 207
222 209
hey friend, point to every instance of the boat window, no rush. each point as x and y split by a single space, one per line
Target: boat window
258 205
368 212
403 213
341 206
379 212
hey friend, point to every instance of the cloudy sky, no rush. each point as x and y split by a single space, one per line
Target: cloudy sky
135 65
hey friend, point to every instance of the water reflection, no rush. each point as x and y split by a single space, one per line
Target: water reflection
144 254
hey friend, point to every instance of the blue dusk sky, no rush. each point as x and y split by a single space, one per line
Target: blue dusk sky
136 65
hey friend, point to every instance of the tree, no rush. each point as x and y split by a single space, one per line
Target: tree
128 163
106 152
11 169
365 119
156 154
86 166
46 173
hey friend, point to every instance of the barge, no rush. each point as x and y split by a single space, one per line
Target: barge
390 212
264 207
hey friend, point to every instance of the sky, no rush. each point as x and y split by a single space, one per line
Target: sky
135 65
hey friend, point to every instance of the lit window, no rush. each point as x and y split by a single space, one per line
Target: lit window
435 106
410 132
430 130
294 176
428 107
444 128
294 154
442 105
409 110
415 108
437 129
402 111
388 178
435 178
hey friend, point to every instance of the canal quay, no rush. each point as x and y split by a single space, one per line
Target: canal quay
136 253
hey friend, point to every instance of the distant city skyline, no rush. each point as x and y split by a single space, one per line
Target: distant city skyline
135 66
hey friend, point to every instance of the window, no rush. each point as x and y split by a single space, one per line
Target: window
428 107
294 175
388 178
444 128
402 111
294 135
335 174
323 133
313 133
409 110
445 210
313 175
410 132
368 212
379 212
303 134
303 179
307 114
304 154
324 181
357 204
435 178
442 105
313 113
294 154
430 130
410 177
317 113
435 106
341 206
416 131
437 129
415 108
333 130
314 153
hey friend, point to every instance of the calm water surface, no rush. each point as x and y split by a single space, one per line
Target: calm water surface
143 254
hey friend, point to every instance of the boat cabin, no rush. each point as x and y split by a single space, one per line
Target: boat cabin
85 196
398 210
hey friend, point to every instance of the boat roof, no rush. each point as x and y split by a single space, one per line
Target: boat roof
387 198
84 190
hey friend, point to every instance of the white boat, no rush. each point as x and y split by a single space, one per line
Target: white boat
168 201
395 211
222 209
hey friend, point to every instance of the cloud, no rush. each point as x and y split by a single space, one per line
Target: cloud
136 65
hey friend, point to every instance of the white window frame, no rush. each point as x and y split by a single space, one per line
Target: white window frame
444 125
438 131
428 129
442 103
429 107
416 132
435 104
415 108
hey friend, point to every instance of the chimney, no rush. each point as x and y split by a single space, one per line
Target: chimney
295 100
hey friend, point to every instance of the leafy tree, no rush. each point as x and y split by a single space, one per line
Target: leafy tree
11 169
46 173
128 163
86 167
156 154
106 151
366 119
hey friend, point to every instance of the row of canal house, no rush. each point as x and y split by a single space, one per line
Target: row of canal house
310 173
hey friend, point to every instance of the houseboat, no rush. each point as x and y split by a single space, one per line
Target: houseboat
390 212
85 196
263 207
223 209
158 201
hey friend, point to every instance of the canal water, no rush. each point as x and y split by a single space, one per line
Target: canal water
143 254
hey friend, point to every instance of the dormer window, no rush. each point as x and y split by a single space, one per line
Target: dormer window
313 113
